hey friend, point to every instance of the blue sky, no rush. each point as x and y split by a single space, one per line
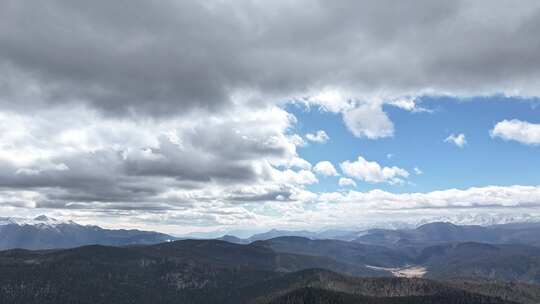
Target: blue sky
418 141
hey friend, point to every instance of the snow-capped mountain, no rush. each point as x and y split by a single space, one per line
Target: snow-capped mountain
41 220
43 232
483 219
361 229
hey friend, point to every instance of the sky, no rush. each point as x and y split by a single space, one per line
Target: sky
190 116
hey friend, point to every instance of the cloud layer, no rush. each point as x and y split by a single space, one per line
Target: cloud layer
171 56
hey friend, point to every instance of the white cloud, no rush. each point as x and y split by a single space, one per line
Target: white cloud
458 140
298 162
368 121
349 208
319 137
76 158
302 177
475 197
325 168
372 172
297 140
418 171
346 182
520 131
407 104
404 103
331 100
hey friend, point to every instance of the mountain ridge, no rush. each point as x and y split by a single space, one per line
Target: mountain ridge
199 271
43 232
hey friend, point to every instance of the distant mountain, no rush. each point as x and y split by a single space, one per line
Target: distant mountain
446 261
503 263
478 228
274 233
230 254
201 271
43 232
285 269
336 234
345 252
233 239
482 219
443 232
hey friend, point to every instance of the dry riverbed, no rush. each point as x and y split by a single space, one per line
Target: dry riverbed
404 272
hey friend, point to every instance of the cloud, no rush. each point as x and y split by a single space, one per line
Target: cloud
372 172
297 162
520 131
158 63
408 104
298 209
470 198
318 137
418 171
76 158
470 205
325 168
368 121
346 182
331 100
115 111
302 177
297 140
458 140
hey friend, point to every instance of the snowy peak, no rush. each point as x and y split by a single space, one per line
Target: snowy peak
44 218
43 232
41 220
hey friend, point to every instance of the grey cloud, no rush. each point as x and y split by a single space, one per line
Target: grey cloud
171 161
281 194
110 207
163 57
105 176
104 163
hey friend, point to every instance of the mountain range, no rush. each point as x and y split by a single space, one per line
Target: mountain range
212 271
43 232
442 232
527 233
436 262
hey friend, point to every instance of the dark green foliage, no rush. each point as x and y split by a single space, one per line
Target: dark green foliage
507 263
346 252
201 272
320 296
376 290
512 291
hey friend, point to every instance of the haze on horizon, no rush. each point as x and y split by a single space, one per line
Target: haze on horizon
190 116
